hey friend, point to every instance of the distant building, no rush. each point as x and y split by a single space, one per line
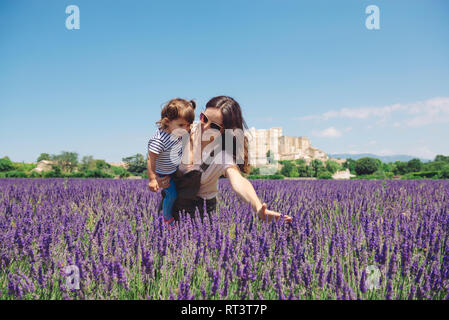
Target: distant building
283 147
44 166
119 164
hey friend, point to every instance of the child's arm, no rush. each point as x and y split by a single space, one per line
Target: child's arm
151 164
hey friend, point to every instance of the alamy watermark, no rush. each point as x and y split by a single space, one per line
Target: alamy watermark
372 22
72 280
72 22
372 277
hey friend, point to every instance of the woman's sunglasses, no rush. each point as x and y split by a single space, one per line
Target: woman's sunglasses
205 120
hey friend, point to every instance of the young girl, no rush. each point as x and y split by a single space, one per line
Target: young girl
165 148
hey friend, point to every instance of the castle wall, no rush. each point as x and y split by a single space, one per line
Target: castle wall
283 147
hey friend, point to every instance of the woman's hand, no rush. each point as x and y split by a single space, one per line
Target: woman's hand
245 190
265 214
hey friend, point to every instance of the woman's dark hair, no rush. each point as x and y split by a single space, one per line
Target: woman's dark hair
232 119
177 108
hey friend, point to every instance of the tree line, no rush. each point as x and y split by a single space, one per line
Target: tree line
363 168
68 165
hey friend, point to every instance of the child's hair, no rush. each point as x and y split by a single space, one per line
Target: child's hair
177 108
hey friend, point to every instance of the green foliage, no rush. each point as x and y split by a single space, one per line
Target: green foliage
303 169
77 174
414 165
274 176
136 164
444 174
289 170
422 175
6 165
55 173
35 174
389 175
15 174
119 171
317 166
387 167
436 166
43 156
101 164
366 165
350 164
369 177
442 158
400 168
332 166
380 174
88 163
144 175
21 166
68 161
325 175
254 171
97 174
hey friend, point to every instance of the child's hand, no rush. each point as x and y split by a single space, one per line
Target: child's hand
154 186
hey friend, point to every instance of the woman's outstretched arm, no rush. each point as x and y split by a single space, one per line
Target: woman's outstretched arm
245 190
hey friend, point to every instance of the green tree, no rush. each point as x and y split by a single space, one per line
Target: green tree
55 173
286 168
442 158
387 167
444 174
332 166
294 172
6 164
366 165
350 164
97 174
400 168
436 166
414 165
289 169
136 164
310 171
87 163
317 166
43 156
101 164
66 160
16 174
325 175
302 168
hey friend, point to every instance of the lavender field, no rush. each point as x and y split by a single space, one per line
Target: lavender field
348 240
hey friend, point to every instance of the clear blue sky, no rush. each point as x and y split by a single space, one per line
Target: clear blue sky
310 67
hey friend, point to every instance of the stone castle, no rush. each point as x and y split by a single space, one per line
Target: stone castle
282 147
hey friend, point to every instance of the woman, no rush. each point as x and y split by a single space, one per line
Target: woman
221 113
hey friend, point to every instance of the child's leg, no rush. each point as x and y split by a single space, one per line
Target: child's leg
169 200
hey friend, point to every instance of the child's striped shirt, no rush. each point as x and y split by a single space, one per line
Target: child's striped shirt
168 147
